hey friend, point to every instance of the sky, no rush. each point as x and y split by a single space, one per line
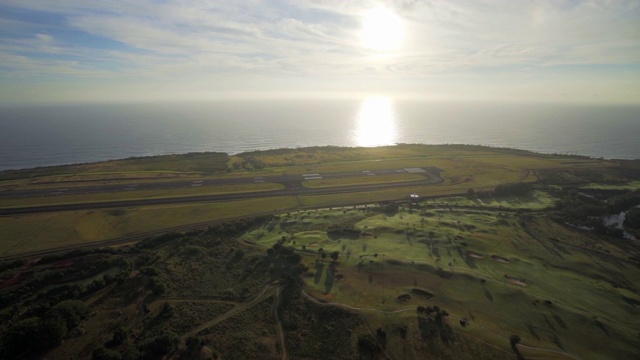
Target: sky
172 50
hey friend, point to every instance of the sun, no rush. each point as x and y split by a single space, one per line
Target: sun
382 29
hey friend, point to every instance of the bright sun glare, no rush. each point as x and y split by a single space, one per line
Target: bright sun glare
382 29
376 123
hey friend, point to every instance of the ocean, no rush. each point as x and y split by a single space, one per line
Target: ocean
64 134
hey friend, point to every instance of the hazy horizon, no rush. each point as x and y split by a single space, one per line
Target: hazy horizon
63 134
112 52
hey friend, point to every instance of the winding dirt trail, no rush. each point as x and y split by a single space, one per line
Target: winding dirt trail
269 290
280 330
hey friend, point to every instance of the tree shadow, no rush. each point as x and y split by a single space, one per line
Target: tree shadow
488 295
548 248
329 278
561 248
560 321
517 352
602 327
554 339
319 270
532 330
549 323
471 262
466 258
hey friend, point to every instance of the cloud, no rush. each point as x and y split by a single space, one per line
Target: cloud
307 44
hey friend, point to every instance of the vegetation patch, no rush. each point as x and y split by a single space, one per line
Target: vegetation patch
422 293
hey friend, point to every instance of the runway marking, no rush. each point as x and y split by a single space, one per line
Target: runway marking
195 185
307 175
415 170
313 178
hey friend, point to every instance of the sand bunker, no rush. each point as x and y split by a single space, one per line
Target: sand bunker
474 255
404 298
339 277
516 282
312 244
500 259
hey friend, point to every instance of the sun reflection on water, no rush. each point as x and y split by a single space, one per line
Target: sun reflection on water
376 123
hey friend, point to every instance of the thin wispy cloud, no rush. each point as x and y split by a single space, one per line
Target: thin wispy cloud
316 46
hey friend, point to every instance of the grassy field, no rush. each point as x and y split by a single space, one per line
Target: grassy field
633 185
139 194
461 167
156 166
50 230
536 200
362 180
461 258
499 263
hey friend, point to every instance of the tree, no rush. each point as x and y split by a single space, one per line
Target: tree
334 256
32 336
194 344
514 340
158 347
367 347
632 218
429 310
101 353
71 311
119 336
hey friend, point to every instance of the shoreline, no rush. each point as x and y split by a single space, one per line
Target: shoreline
180 154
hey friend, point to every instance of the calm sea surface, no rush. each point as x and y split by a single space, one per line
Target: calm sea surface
54 135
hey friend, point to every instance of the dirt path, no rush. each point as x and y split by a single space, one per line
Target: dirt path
280 330
195 299
269 290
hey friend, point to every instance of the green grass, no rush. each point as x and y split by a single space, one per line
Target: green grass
34 232
140 194
536 200
362 180
578 284
206 163
632 185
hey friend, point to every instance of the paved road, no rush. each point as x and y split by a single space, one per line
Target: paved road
288 180
293 183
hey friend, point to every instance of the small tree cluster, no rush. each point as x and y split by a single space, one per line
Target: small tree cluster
433 325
